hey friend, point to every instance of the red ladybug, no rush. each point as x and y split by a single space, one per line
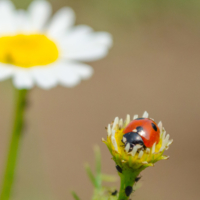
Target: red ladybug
142 131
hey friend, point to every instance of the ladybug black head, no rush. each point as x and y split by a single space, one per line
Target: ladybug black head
132 138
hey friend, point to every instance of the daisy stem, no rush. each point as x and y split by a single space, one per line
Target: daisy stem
20 104
127 181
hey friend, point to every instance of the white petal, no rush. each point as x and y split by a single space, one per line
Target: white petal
170 142
83 70
74 36
83 44
160 126
113 132
71 73
153 148
148 150
67 76
121 123
7 16
23 22
6 6
87 53
163 135
5 71
77 33
115 123
135 116
103 38
109 130
166 140
61 21
22 79
114 143
145 115
127 147
140 154
135 148
40 11
128 119
45 76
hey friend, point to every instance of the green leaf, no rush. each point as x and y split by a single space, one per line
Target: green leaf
76 197
90 175
98 166
108 178
97 159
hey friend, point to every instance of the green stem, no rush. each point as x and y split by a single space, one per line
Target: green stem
127 181
9 174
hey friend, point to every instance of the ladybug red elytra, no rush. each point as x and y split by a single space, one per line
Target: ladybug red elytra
141 131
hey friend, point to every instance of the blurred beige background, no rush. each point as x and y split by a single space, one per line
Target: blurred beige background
154 65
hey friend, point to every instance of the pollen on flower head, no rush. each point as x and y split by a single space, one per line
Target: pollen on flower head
28 50
135 155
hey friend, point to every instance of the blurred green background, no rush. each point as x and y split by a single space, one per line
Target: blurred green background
154 65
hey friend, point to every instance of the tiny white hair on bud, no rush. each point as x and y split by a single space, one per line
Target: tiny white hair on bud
153 148
145 115
128 119
114 143
127 148
113 133
147 150
164 142
135 148
124 139
140 154
162 148
109 130
121 123
135 116
167 139
170 142
138 146
163 130
163 136
160 126
166 158
116 121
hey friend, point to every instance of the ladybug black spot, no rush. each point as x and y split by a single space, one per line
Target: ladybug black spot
119 169
128 190
139 118
154 126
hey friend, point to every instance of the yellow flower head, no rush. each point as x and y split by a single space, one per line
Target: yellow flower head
137 158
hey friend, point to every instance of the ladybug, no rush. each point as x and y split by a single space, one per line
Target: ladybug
141 131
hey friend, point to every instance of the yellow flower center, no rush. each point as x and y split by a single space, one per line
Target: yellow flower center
27 50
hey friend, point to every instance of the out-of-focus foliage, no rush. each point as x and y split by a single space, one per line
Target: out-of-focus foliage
100 192
128 8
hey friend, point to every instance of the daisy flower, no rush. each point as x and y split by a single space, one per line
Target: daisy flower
37 50
135 145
